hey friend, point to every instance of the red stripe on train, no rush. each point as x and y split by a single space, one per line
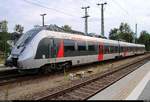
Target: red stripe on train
61 49
125 52
101 54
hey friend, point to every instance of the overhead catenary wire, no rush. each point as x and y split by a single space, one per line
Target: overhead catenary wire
134 16
129 14
121 7
73 15
43 6
118 4
87 1
70 7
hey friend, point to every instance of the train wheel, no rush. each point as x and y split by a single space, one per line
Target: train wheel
49 70
46 70
59 67
68 65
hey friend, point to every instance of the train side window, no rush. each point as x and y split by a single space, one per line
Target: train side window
97 48
116 49
110 49
129 49
125 48
81 46
106 49
43 49
69 45
91 47
113 49
121 49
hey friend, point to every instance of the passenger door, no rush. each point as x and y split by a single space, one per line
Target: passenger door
53 49
101 52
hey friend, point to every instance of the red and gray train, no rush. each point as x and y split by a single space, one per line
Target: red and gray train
46 50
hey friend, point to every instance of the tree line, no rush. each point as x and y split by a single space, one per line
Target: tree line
124 33
6 36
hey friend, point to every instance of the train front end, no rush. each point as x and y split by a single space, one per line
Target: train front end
23 50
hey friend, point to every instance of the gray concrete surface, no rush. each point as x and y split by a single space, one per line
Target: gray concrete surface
124 87
145 95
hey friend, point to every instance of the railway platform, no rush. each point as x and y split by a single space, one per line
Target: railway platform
135 86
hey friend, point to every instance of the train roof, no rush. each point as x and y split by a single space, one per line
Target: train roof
80 37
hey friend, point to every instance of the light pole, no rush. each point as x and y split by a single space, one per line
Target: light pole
102 17
86 19
135 34
43 19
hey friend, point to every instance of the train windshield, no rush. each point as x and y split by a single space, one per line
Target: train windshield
27 37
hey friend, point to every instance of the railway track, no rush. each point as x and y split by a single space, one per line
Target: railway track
87 87
12 76
9 76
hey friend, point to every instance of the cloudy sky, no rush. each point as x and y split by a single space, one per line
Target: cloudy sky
61 12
